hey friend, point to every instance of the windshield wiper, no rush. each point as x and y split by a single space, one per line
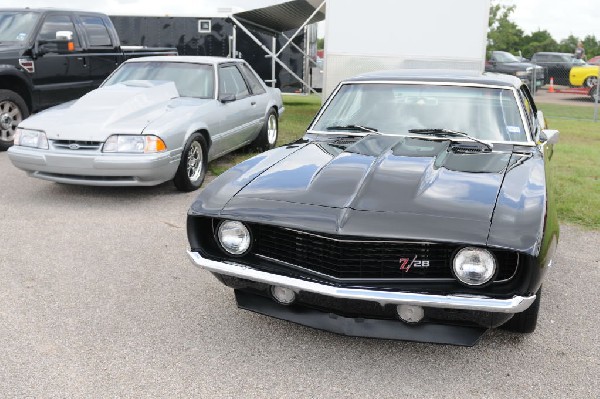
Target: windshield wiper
449 132
354 127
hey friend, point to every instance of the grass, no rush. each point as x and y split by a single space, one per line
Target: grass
576 162
576 166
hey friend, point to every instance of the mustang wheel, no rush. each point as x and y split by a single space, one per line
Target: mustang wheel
525 322
268 134
12 111
590 81
192 168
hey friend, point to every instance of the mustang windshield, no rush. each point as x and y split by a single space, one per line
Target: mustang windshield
16 26
483 113
192 80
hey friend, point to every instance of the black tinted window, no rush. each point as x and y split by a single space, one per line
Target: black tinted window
252 80
96 31
60 24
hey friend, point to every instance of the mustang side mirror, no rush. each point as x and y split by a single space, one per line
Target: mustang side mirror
227 98
549 136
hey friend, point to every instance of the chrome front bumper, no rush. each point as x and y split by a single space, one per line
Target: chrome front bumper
515 304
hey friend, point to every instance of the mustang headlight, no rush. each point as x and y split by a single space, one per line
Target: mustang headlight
134 144
234 237
474 266
31 138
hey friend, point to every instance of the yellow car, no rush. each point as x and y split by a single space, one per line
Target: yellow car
584 75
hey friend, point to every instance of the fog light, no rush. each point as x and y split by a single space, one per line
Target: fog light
410 313
283 295
474 266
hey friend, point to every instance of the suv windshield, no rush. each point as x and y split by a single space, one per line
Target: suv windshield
503 56
16 26
191 80
484 113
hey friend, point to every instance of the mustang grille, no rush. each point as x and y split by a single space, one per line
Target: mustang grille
345 258
76 145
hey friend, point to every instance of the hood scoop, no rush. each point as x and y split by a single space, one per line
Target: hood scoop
468 148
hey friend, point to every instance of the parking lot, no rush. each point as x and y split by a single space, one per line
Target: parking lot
98 299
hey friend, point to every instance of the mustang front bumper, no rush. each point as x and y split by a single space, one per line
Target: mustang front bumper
95 168
515 304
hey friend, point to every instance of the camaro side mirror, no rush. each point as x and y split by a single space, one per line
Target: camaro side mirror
227 98
549 136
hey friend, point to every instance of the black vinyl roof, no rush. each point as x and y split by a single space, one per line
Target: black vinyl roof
285 16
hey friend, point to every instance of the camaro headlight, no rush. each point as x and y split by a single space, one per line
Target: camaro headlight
234 237
31 138
134 144
474 266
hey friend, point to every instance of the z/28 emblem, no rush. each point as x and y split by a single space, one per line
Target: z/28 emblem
406 264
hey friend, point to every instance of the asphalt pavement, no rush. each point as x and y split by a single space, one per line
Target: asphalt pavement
98 299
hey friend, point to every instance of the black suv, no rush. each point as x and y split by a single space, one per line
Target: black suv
557 65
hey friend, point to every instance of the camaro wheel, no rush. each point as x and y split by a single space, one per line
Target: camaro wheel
12 111
268 134
192 167
525 322
590 81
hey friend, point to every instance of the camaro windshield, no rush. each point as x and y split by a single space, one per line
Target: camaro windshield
484 113
16 26
191 80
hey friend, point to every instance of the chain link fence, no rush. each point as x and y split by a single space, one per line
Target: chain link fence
555 78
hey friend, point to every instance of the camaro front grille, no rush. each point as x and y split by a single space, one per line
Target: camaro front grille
360 259
76 145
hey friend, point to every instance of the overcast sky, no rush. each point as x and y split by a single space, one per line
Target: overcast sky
559 17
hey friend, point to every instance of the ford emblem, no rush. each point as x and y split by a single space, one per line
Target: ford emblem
74 146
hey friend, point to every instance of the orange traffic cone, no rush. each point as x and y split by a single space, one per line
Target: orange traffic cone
551 88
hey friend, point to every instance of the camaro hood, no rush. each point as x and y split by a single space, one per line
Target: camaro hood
408 184
122 108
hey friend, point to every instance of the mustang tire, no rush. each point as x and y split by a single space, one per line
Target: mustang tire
268 134
526 321
192 167
12 111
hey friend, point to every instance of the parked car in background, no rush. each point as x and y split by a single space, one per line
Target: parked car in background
584 76
504 62
558 66
154 119
419 205
49 56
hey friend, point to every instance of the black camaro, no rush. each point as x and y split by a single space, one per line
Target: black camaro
417 206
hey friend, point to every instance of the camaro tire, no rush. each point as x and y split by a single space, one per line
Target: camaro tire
12 111
268 134
526 321
192 167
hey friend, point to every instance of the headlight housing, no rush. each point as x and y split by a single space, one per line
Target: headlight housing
523 74
31 138
137 144
474 266
234 237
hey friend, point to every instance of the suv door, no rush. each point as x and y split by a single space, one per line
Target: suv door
61 72
103 51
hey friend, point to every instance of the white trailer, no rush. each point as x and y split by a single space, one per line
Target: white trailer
397 34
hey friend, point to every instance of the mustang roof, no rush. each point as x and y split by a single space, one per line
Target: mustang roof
441 75
197 59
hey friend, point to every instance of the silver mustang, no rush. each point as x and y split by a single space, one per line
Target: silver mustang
154 119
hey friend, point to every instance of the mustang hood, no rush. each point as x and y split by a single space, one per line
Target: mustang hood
122 108
413 185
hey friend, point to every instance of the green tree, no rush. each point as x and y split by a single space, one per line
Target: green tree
538 41
591 46
568 45
320 43
503 34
